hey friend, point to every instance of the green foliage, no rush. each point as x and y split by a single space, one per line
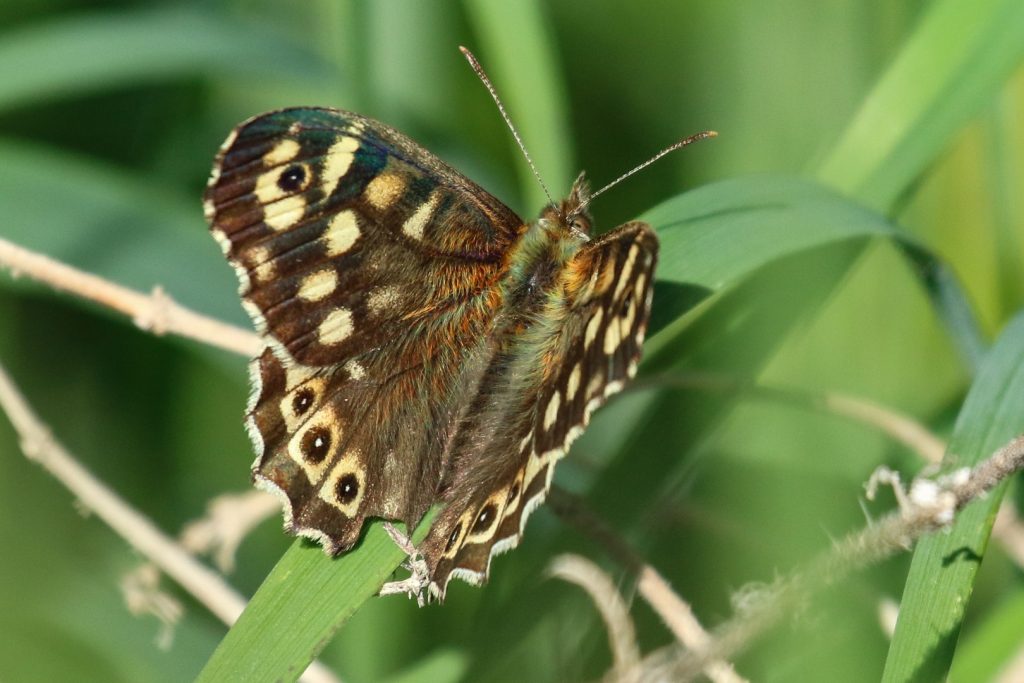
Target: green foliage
109 118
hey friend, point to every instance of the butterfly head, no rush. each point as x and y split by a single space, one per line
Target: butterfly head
570 216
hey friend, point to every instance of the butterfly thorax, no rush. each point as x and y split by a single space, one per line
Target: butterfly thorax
536 266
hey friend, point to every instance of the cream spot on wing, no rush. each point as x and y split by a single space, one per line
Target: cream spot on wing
283 213
382 299
612 337
592 326
336 327
573 385
551 414
297 374
384 190
342 233
533 466
282 152
355 369
416 223
339 159
319 285
627 269
525 443
641 282
595 385
626 321
262 263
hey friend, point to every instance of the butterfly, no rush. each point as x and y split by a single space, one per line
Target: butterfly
423 344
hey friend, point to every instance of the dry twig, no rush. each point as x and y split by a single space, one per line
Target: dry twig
156 313
621 634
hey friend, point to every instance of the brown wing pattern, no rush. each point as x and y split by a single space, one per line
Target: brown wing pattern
559 374
371 269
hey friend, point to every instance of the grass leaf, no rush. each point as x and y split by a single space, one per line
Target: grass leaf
302 603
954 63
83 54
944 566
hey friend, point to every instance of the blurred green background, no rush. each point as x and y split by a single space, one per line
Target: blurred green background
110 114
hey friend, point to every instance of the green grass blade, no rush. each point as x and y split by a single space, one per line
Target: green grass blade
65 57
992 643
299 607
955 62
715 237
530 85
944 566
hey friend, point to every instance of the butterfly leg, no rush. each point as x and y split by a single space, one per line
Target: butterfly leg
419 577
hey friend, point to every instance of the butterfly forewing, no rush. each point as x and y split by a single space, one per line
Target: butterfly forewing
370 267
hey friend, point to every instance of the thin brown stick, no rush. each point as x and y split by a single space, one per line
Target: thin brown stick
207 586
652 587
156 312
681 621
621 633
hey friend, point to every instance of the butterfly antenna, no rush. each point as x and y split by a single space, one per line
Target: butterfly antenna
703 135
515 133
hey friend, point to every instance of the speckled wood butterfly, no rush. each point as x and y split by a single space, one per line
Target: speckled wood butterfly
423 343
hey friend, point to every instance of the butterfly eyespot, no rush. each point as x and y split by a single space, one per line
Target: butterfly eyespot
484 519
292 178
513 493
348 488
316 444
303 400
453 537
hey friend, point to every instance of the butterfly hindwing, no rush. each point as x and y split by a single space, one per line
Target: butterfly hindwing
370 268
602 316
